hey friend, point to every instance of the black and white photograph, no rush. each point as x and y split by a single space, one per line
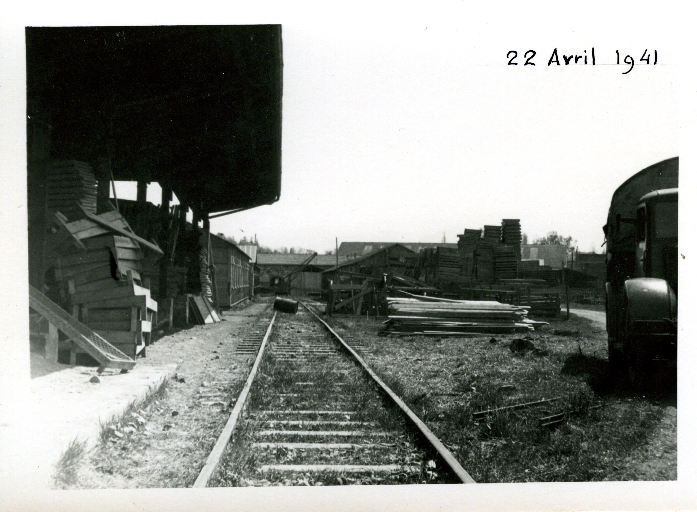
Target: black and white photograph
349 258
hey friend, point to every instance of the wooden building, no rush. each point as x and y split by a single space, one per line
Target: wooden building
359 249
251 249
232 273
391 258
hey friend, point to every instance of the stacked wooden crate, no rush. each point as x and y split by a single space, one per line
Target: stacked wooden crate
97 263
71 186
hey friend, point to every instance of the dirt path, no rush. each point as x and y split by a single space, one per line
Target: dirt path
164 442
595 316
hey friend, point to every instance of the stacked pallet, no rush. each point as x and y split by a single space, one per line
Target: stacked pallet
467 244
454 317
71 185
484 255
492 234
511 234
447 264
505 262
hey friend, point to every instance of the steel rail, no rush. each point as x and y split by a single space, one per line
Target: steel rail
445 454
217 452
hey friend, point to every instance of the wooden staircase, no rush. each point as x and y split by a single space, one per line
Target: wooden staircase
100 349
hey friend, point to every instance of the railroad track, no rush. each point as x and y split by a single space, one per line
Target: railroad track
313 413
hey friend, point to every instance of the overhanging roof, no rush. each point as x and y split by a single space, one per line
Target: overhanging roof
198 108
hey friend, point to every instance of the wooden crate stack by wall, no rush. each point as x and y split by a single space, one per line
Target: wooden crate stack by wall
97 267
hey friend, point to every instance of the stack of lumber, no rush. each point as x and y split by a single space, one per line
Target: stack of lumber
398 283
447 264
470 238
467 244
545 304
511 234
71 185
505 262
454 317
485 262
492 234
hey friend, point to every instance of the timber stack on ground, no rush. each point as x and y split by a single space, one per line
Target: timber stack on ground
440 317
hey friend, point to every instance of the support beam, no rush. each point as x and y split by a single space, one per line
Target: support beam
38 167
51 351
164 236
142 193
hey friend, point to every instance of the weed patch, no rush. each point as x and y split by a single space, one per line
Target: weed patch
66 469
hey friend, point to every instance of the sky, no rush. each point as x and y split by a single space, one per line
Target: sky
414 131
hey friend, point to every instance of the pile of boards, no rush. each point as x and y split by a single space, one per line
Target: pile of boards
434 316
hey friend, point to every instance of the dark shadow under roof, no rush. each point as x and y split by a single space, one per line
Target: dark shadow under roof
198 107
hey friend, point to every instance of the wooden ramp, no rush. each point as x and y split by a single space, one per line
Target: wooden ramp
100 349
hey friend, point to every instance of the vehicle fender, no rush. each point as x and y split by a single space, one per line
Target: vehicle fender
650 299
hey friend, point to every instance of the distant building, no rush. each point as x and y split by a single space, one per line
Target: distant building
359 249
590 263
233 272
555 256
390 258
280 265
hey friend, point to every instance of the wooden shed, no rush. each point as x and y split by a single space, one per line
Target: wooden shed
391 258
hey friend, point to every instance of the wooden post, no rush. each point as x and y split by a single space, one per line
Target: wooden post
206 243
565 279
73 354
330 302
170 315
51 351
141 199
38 168
164 237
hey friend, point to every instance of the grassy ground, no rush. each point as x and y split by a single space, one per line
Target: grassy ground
445 380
